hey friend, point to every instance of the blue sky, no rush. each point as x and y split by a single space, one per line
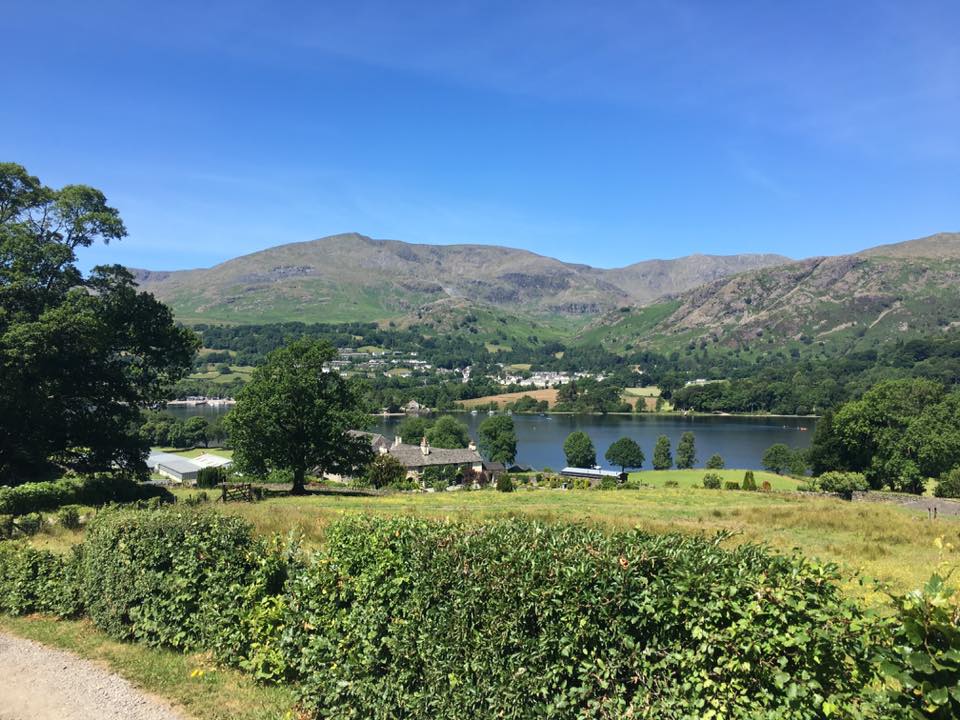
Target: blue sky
596 132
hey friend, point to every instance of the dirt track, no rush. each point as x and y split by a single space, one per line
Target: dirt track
40 683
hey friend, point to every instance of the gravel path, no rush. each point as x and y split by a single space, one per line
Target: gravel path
40 683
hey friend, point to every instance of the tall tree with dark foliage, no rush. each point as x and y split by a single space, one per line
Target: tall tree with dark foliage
79 355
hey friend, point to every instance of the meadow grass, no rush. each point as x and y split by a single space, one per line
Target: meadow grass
193 682
889 543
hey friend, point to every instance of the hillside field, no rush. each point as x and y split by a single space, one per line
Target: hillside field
548 394
886 542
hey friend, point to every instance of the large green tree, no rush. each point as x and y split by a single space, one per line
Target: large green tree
294 416
448 432
498 439
662 457
80 355
626 453
899 434
686 451
579 451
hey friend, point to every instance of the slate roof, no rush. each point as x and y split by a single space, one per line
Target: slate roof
376 439
410 456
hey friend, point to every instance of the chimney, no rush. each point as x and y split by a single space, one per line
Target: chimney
397 440
424 446
472 446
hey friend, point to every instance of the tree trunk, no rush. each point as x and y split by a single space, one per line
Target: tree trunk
299 475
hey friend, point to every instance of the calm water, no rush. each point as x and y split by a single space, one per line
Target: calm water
740 440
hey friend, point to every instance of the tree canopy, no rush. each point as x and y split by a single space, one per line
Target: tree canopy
294 416
79 355
626 453
448 432
498 439
686 451
899 434
579 451
662 458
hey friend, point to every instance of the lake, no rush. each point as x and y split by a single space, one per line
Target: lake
740 440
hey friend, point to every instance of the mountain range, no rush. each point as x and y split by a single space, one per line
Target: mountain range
886 291
352 277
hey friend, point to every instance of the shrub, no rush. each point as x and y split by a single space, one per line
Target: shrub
417 619
504 483
166 577
924 658
749 483
715 462
949 485
608 483
731 485
38 581
30 523
210 477
671 484
68 517
282 476
712 481
93 490
842 483
766 487
6 527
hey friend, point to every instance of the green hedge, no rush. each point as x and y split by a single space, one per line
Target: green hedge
418 619
92 490
407 618
167 577
39 581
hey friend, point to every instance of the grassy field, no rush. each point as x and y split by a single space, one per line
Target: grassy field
213 693
548 394
886 542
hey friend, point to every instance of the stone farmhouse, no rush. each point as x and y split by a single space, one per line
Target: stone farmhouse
417 458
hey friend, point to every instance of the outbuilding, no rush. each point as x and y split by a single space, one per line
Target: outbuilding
179 469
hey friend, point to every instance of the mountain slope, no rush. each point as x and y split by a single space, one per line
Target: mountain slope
352 277
876 295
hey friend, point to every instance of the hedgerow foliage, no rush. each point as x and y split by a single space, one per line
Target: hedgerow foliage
514 619
39 581
407 618
91 490
166 577
925 656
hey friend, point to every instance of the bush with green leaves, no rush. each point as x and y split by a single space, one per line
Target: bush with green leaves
68 517
39 581
504 483
949 484
417 619
92 490
29 524
165 577
712 481
671 484
731 485
924 657
842 483
715 462
749 482
210 477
